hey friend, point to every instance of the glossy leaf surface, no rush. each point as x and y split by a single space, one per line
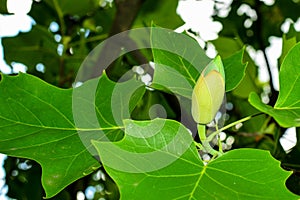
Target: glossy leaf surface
179 61
140 176
37 122
287 108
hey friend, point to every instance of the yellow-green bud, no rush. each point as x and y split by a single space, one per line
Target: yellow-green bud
208 96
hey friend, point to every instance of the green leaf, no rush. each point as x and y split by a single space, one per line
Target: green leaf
226 46
234 69
289 78
162 13
26 184
49 14
31 48
158 160
244 109
114 102
287 108
179 60
3 7
230 48
285 117
38 122
39 46
73 7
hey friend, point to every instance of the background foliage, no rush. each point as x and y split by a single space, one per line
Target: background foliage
84 24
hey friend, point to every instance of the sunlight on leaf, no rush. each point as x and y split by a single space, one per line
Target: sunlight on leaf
228 177
36 122
287 108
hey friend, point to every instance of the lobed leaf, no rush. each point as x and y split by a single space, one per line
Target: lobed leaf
179 60
158 160
235 69
239 76
287 108
38 122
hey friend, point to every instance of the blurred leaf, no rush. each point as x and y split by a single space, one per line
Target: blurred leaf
293 183
161 13
227 47
38 46
234 70
263 23
291 162
287 108
142 174
242 108
3 7
23 178
104 19
289 8
248 84
43 117
230 47
23 182
73 7
154 104
31 48
49 14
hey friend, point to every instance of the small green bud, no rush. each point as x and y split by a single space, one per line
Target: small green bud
208 92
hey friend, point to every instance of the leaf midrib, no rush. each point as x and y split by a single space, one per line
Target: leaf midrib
61 128
289 92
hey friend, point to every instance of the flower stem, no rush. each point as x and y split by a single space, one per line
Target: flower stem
211 136
205 141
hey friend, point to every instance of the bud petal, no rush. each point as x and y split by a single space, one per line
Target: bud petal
207 96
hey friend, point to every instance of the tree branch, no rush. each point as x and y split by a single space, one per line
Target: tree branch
125 16
262 46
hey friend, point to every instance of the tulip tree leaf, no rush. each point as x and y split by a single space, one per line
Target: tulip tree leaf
229 49
287 44
179 60
227 46
285 117
138 165
287 108
37 121
234 69
36 126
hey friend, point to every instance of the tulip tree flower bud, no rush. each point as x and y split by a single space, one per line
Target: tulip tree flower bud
208 92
